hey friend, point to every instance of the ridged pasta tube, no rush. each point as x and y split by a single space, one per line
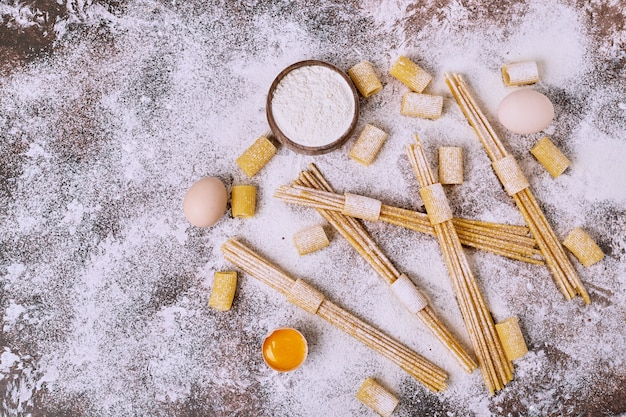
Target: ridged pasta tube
376 397
510 175
223 290
520 73
368 144
408 294
550 157
361 207
436 203
256 156
365 79
310 240
424 106
410 74
450 165
243 200
512 339
305 296
583 247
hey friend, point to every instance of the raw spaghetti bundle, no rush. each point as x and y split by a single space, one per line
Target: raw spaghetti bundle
506 240
516 185
496 369
402 287
309 299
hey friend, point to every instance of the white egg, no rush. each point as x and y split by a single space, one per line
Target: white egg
205 202
526 111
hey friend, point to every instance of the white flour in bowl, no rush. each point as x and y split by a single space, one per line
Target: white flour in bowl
313 105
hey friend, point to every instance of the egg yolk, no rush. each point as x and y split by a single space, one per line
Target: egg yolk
284 350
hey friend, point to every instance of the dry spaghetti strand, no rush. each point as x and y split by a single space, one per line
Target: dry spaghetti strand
496 369
564 274
506 240
359 238
433 377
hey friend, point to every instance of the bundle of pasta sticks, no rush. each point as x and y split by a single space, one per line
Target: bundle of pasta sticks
400 284
502 239
309 299
496 369
516 185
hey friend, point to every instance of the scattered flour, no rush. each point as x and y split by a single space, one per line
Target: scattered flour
104 285
594 152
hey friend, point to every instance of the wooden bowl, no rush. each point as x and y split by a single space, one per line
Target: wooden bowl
295 146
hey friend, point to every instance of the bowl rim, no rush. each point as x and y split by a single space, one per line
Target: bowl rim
303 149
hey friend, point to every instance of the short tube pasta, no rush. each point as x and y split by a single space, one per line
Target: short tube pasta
450 165
424 106
365 79
520 73
376 397
550 157
511 176
243 200
410 74
223 291
310 240
256 156
408 294
512 339
368 144
583 247
361 207
305 296
436 203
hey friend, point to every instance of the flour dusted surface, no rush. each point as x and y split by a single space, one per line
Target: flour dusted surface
313 105
104 285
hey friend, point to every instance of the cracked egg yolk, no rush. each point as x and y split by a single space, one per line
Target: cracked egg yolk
284 349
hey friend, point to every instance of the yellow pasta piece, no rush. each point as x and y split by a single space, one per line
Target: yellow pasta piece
243 200
550 157
583 247
450 165
421 105
408 294
436 203
512 339
310 240
520 73
511 176
375 396
361 207
223 291
365 79
410 74
256 156
368 145
305 296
